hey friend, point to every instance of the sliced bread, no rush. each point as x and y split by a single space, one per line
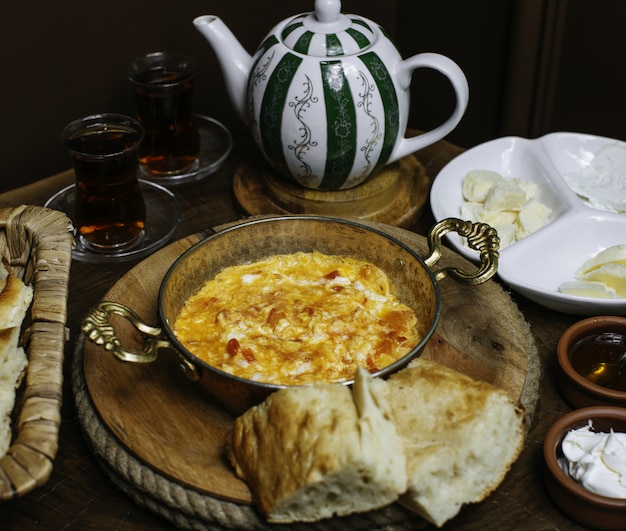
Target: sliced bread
309 453
460 437
429 437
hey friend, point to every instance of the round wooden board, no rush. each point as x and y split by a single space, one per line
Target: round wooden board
395 196
179 432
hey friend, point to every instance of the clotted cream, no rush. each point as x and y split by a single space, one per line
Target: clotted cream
596 460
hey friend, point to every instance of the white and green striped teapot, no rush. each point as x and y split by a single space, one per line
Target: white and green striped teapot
327 95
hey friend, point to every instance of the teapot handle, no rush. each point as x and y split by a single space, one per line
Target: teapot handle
457 78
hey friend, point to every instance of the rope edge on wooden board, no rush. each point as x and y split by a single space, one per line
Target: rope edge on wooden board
191 509
187 508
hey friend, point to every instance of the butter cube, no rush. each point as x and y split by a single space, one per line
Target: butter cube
476 212
507 234
470 211
478 183
529 187
505 196
532 217
500 202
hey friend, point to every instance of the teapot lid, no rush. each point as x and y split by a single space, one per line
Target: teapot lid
327 32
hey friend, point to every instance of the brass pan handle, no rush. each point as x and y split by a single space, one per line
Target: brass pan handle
480 237
98 329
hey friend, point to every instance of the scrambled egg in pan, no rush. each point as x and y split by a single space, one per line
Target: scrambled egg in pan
298 319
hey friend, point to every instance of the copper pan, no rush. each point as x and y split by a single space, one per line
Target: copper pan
415 281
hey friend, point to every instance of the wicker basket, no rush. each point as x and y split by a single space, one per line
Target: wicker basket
38 243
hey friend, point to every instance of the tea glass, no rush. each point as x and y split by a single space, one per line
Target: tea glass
109 210
163 84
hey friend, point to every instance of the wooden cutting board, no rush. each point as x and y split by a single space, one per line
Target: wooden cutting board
179 432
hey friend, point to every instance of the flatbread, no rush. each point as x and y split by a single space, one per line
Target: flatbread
15 298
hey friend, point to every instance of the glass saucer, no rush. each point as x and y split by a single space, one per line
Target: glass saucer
216 144
163 214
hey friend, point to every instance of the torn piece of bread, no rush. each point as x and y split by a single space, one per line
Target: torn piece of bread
309 453
460 437
15 298
13 361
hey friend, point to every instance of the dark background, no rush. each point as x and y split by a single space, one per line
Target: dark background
533 66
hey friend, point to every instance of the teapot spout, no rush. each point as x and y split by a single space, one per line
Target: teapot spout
234 61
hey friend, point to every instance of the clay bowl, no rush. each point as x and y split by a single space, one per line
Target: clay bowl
587 508
414 282
577 390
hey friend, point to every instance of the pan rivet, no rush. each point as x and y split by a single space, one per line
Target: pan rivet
190 370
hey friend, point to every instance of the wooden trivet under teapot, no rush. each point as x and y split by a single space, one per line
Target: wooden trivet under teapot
395 196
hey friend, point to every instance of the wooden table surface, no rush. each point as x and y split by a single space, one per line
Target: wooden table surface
79 495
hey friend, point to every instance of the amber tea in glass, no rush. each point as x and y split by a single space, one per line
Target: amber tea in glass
109 210
163 84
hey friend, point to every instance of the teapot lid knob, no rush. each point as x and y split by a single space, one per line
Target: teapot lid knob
327 11
327 32
327 18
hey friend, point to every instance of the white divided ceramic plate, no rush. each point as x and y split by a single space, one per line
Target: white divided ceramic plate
537 265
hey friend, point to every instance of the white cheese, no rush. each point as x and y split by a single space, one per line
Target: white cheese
507 234
495 218
602 184
249 278
529 187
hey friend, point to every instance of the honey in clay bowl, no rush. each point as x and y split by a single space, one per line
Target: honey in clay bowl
589 369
